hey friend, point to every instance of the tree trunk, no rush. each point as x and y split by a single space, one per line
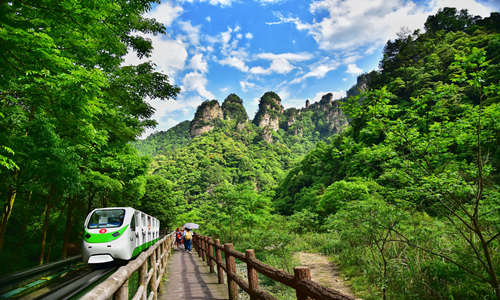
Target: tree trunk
53 233
7 211
67 230
91 199
48 206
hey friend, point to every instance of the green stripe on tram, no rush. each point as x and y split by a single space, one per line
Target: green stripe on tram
103 237
143 247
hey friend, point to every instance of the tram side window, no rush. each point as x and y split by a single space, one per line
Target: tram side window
132 223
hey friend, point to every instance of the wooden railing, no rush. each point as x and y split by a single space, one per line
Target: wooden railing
301 280
117 285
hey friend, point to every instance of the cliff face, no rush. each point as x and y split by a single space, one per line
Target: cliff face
204 119
361 84
270 110
324 116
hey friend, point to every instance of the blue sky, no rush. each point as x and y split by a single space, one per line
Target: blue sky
299 49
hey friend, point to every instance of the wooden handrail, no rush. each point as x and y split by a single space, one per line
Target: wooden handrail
117 284
301 280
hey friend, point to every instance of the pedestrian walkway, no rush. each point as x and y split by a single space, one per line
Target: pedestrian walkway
188 278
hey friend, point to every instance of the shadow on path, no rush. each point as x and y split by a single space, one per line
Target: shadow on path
189 278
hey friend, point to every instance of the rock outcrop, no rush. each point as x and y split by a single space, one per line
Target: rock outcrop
361 84
233 109
204 119
326 115
270 110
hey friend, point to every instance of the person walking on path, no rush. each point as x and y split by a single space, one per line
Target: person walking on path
178 237
188 240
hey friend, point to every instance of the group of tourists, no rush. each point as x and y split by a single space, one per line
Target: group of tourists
184 237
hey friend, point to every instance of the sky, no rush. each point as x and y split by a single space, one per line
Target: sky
296 48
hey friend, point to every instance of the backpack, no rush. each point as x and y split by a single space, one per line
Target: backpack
188 235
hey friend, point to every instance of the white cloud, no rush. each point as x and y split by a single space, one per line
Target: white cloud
318 70
192 32
353 23
235 62
353 69
165 13
169 64
195 81
245 85
221 3
209 19
249 36
280 63
239 36
197 63
226 36
259 71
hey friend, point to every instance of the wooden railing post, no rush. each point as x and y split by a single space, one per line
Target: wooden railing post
253 279
195 243
167 252
218 260
143 277
210 256
231 270
203 249
122 293
152 282
301 273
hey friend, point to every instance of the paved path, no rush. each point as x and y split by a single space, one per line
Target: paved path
189 278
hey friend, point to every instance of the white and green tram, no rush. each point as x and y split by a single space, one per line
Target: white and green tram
117 233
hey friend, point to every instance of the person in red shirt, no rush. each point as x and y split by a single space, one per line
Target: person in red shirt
178 238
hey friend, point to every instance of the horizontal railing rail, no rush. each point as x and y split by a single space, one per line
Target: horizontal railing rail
301 280
116 285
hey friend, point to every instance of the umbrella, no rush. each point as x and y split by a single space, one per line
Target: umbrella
191 226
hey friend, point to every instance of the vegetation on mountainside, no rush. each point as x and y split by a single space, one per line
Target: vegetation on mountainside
165 141
410 191
233 108
68 110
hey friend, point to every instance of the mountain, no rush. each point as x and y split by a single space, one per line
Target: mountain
222 145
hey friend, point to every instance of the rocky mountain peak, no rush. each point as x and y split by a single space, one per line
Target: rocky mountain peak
233 109
270 109
204 119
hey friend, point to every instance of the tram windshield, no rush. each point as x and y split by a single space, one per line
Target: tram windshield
108 218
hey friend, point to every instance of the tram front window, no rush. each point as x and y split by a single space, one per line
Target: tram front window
108 218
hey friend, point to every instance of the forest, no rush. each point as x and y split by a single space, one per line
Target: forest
404 199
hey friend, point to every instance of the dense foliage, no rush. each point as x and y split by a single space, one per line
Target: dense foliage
233 108
165 141
410 191
68 110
